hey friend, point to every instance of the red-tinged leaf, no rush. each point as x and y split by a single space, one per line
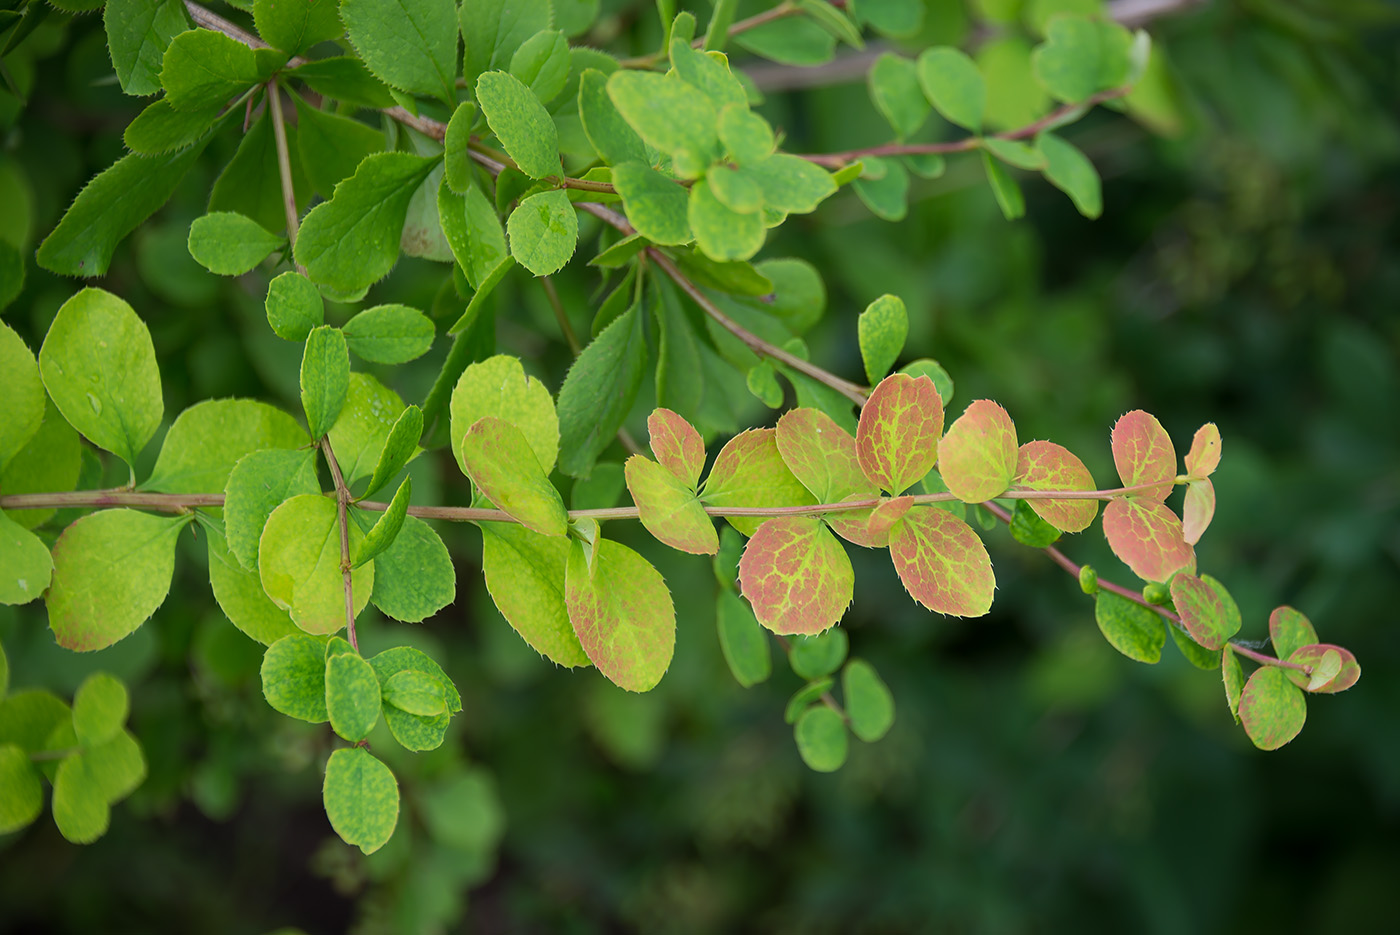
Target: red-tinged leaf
1197 510
1048 466
498 458
1233 677
750 472
1290 629
897 436
668 507
883 518
622 614
796 575
1143 454
942 562
854 525
1146 535
822 456
1272 709
977 457
1204 456
1204 611
677 445
1334 669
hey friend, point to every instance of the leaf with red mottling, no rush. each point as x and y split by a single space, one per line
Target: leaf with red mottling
498 458
854 525
750 472
822 456
796 575
622 614
1048 466
897 436
1289 629
1197 509
677 446
883 518
1143 454
1334 669
977 457
668 507
1146 535
1272 709
1206 609
942 562
1204 456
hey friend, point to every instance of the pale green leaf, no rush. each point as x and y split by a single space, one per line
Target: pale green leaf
542 64
399 448
669 114
293 306
23 391
386 528
294 678
543 232
656 205
953 84
299 561
256 485
100 707
499 387
722 233
209 438
21 790
240 596
25 565
610 135
352 696
894 88
361 799
524 573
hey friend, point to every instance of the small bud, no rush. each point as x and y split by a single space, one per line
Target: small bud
1088 580
1155 593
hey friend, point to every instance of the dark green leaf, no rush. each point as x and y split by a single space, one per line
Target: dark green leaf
138 32
296 25
204 69
599 391
331 147
385 529
869 704
743 642
821 739
325 378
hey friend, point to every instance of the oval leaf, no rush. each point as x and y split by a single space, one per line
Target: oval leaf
796 575
1143 454
942 562
1272 709
977 458
622 613
361 799
1147 536
897 436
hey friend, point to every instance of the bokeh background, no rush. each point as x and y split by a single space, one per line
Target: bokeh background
1246 271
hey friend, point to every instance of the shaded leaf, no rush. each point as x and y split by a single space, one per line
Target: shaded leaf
821 739
208 439
869 704
1135 631
413 577
882 327
742 640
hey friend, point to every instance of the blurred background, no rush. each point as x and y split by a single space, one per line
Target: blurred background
1245 271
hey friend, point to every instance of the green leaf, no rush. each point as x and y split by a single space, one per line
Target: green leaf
294 306
1207 611
29 718
99 366
352 696
1135 631
1005 189
742 640
352 241
599 391
542 64
821 739
79 809
256 485
1272 709
22 389
209 438
360 434
750 471
240 596
230 244
815 657
605 128
486 239
762 382
977 456
882 327
1042 465
1290 630
897 436
325 378
884 188
112 569
457 161
869 704
1195 654
669 509
21 791
622 614
330 147
520 122
655 204
389 334
790 42
942 562
894 88
344 78
27 566
202 69
296 25
493 29
415 692
498 458
399 448
745 135
161 128
361 799
1147 536
524 574
138 32
100 707
48 462
1232 675
669 114
791 184
543 232
499 387
1082 56
796 575
721 232
1015 153
1071 172
251 182
953 84
382 534
411 46
414 731
413 577
299 563
115 767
